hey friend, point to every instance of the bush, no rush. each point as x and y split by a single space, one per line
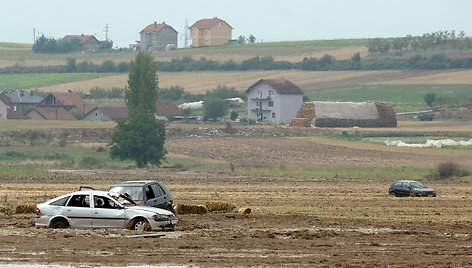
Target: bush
447 170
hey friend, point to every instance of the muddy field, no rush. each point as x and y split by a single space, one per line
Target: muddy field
295 221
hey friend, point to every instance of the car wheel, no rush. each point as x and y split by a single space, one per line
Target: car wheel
392 193
140 224
59 223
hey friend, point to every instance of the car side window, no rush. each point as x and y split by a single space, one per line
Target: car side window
149 192
80 200
61 202
397 185
157 190
406 186
104 202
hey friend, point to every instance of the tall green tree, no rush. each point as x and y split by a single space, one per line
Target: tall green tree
140 137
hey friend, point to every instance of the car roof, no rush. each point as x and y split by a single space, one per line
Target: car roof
136 183
406 181
90 191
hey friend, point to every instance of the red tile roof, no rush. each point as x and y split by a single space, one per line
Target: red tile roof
52 113
167 106
208 23
282 86
84 39
156 27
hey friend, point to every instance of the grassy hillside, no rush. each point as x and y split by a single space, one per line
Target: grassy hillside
34 81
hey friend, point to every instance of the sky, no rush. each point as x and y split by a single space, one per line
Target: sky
267 20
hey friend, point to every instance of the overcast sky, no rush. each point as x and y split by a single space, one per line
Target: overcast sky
267 20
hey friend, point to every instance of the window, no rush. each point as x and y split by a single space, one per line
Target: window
222 24
60 202
273 115
271 92
259 94
80 200
14 108
149 193
103 202
206 40
96 114
206 31
271 104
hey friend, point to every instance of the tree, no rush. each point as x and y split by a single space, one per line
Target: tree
356 57
241 39
233 115
251 39
429 98
140 137
214 108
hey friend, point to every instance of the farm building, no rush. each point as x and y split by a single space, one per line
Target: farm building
273 101
88 42
210 32
158 37
167 107
106 114
345 114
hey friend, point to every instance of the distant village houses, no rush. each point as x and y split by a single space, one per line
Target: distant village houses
88 42
158 37
210 32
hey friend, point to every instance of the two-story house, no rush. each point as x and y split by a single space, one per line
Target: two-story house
157 36
22 101
210 32
67 100
273 101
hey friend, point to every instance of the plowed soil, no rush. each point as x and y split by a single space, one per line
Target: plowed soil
294 222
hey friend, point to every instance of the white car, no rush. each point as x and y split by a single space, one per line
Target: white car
97 209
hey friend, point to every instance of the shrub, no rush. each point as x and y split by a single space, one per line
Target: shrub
447 170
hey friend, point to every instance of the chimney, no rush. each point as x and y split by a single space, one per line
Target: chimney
155 24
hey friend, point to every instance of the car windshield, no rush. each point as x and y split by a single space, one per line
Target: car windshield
136 192
417 184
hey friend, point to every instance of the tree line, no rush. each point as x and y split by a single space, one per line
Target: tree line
325 63
439 39
50 45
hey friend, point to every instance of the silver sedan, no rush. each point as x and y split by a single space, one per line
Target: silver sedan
97 209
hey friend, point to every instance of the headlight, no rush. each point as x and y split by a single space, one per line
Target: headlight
159 217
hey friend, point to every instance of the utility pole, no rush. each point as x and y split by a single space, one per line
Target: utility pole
106 31
34 36
186 33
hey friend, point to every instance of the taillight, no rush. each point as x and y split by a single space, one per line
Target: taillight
38 212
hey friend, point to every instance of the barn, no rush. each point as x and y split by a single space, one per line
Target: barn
345 114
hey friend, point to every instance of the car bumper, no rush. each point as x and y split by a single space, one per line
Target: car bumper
41 221
163 224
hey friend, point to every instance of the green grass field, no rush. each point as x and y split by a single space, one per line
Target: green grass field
35 80
404 98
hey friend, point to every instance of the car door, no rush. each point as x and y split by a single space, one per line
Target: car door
405 190
78 211
107 213
154 196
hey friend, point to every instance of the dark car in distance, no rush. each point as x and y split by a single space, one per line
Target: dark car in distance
410 188
148 193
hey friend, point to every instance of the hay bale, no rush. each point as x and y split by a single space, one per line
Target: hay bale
244 210
220 206
190 209
345 114
25 208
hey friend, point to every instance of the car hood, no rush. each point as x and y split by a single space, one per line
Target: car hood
423 190
150 209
